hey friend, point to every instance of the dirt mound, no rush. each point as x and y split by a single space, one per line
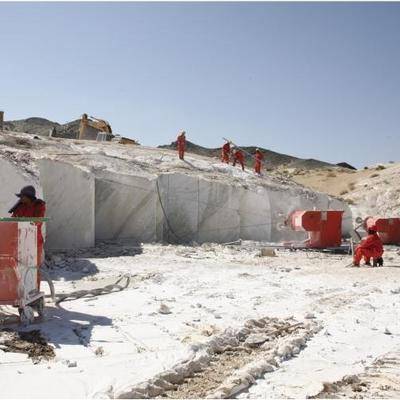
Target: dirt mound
31 343
272 159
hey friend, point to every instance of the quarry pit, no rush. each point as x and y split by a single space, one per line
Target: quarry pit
189 237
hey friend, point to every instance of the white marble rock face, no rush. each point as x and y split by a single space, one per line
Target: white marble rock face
255 215
219 219
84 208
179 194
69 195
126 207
12 180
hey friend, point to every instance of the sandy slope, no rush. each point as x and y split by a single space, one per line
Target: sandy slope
372 191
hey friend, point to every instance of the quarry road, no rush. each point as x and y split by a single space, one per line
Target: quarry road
188 296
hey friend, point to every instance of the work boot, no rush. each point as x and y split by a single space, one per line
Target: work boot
368 263
379 262
356 264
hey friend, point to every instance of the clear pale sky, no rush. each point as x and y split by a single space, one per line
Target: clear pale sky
315 80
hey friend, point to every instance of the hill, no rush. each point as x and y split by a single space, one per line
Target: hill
70 130
272 158
42 127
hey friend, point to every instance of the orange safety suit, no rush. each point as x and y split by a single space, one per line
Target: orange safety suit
258 161
238 156
181 145
225 153
370 247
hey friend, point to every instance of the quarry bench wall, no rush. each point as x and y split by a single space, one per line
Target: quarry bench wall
173 207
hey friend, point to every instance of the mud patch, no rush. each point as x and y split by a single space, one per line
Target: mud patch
31 343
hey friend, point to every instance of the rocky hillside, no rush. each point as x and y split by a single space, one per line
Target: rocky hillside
70 130
42 127
371 191
272 158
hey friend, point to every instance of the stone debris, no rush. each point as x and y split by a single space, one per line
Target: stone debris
381 380
229 362
31 343
164 309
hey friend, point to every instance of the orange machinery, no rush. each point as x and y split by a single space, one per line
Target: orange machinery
19 283
388 228
324 227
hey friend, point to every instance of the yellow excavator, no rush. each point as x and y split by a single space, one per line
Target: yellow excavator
91 126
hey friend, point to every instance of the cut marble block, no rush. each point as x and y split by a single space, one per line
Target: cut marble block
255 215
218 212
179 196
69 195
126 207
12 180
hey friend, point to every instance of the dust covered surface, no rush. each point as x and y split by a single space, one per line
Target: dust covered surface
31 343
381 380
257 340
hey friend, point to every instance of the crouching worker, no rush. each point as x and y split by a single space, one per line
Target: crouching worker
28 206
370 247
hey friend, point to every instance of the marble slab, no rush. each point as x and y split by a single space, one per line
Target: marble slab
69 193
126 207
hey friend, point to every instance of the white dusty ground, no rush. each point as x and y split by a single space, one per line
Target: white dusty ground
112 342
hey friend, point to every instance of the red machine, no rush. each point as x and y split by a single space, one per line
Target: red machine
388 228
324 227
19 283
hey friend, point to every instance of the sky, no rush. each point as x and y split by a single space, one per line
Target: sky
313 80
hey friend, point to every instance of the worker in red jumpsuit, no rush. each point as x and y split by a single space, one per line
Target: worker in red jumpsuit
226 152
238 156
258 161
370 247
29 206
181 144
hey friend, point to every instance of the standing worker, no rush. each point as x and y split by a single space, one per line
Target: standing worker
29 206
181 144
258 161
370 247
226 152
238 156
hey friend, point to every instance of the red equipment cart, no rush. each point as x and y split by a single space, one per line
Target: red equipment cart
19 265
324 227
388 228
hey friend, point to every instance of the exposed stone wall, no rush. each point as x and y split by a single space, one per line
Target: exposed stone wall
172 207
69 193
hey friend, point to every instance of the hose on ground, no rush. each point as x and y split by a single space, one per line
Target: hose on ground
114 287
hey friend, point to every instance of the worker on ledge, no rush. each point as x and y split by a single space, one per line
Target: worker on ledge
370 247
181 144
28 206
226 152
258 161
238 156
